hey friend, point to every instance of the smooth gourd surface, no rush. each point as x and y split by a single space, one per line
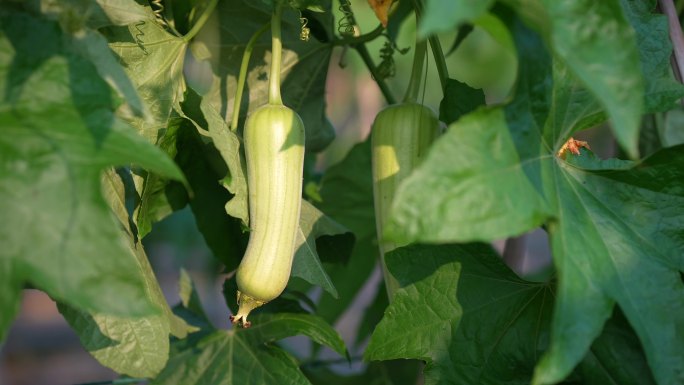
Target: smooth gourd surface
401 135
274 152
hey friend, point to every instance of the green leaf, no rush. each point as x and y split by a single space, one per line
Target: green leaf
459 99
304 66
467 188
465 313
134 346
611 222
93 46
593 39
209 122
614 247
153 60
599 46
313 225
347 192
399 372
247 356
224 358
616 357
59 133
655 48
158 196
443 15
115 12
200 162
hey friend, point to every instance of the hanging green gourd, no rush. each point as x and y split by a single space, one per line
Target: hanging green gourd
274 154
400 137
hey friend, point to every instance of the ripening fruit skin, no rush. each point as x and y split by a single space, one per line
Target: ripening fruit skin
274 154
400 137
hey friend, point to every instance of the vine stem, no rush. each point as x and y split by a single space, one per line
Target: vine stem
436 48
365 56
361 48
676 34
201 21
413 89
276 56
242 76
440 63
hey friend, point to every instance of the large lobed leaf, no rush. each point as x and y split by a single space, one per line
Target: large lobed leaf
243 356
59 134
598 45
615 226
475 322
133 346
465 313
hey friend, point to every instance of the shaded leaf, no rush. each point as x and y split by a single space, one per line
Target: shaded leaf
159 198
115 12
459 99
398 372
200 162
208 121
93 46
347 192
133 346
465 313
616 357
655 48
247 356
307 262
59 133
605 218
153 60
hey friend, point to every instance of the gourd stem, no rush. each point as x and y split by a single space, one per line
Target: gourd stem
436 47
242 77
440 62
413 89
276 56
201 21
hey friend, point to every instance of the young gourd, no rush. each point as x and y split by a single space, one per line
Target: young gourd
400 137
274 153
